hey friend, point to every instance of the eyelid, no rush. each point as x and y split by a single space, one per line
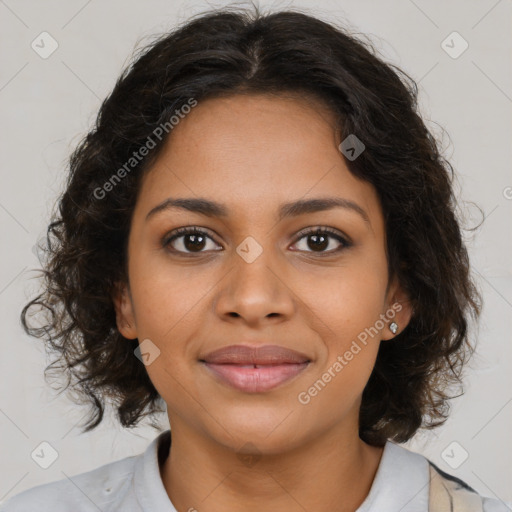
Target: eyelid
187 230
335 233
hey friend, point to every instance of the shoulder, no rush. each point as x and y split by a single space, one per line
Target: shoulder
447 492
99 489
407 471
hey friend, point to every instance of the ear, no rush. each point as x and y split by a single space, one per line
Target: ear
123 305
398 310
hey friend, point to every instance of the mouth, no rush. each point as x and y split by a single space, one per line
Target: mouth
254 369
255 378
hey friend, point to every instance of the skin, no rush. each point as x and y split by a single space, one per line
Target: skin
253 153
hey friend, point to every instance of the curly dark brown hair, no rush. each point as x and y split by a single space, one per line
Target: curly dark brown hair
241 51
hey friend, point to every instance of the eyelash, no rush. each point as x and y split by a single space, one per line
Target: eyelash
192 230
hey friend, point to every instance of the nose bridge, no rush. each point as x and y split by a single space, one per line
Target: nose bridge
256 287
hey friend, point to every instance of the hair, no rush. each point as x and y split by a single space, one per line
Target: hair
238 51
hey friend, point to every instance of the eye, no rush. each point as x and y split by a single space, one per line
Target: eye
319 239
188 240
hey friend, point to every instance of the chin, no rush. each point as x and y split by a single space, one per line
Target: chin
268 435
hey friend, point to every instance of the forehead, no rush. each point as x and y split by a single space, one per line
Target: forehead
254 152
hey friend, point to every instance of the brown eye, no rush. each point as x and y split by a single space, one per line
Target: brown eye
189 240
318 240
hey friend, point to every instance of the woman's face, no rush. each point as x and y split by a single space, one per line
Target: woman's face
254 278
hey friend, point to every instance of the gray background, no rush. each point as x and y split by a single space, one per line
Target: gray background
47 105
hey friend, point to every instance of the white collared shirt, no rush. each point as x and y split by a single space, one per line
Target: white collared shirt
134 484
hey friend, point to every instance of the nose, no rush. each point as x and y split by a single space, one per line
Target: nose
254 291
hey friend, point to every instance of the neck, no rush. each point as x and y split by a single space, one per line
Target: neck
330 472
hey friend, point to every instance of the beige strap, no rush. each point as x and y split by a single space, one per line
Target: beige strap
448 496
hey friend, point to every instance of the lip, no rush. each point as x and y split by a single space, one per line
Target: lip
246 355
255 369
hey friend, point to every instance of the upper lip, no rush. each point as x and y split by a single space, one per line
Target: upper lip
263 354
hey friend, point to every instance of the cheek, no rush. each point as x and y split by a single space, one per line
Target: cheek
348 310
336 393
168 298
344 300
344 306
168 303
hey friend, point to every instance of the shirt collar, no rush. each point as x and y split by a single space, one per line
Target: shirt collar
149 488
401 480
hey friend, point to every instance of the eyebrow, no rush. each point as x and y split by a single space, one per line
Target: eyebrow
213 209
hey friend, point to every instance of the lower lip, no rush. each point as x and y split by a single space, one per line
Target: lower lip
256 380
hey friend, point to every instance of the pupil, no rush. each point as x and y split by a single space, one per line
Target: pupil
197 244
316 245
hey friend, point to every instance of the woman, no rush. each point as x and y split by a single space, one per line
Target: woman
259 237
